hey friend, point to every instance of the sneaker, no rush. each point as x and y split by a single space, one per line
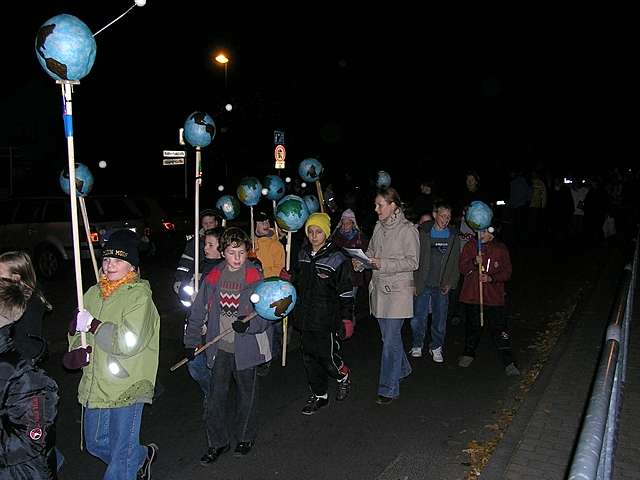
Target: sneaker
436 354
382 400
416 352
464 361
344 387
242 449
314 404
213 454
511 370
152 453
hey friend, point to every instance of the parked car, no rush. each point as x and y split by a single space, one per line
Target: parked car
165 228
42 227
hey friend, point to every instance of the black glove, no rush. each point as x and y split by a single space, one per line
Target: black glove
240 326
76 359
190 353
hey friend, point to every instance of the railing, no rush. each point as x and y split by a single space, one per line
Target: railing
594 454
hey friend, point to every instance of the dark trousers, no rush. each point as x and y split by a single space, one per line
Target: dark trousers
246 416
322 358
496 321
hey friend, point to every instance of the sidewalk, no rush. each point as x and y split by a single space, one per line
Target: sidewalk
539 444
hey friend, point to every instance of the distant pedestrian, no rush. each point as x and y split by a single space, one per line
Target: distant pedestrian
270 253
349 235
209 219
496 270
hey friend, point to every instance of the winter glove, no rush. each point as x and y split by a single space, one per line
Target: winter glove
347 329
76 359
239 326
285 275
83 321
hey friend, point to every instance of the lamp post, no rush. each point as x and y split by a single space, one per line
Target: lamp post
224 60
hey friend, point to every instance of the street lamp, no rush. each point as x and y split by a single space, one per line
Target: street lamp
224 60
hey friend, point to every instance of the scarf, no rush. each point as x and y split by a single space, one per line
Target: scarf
350 234
107 287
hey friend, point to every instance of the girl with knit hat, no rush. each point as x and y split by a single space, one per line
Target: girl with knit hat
349 235
119 362
323 312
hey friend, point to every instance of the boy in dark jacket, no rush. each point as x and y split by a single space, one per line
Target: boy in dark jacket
435 277
223 301
28 401
324 312
496 270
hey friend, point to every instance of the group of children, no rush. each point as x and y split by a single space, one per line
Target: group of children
231 269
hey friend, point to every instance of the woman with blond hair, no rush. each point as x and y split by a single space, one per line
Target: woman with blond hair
394 254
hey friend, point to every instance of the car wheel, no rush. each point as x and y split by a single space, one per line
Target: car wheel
48 262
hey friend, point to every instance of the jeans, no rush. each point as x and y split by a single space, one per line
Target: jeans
394 365
439 306
200 372
113 435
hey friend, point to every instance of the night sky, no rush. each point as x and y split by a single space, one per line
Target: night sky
426 94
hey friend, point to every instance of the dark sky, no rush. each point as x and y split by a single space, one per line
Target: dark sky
430 91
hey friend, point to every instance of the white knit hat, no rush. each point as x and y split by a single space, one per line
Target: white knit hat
348 213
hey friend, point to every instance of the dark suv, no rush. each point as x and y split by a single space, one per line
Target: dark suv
42 227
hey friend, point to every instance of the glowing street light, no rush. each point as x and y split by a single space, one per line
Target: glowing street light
224 60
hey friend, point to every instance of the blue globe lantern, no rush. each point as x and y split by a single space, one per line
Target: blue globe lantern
199 129
312 203
275 187
291 213
310 170
65 48
479 215
383 180
249 191
84 180
228 206
274 298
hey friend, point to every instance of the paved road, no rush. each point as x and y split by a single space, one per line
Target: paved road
423 435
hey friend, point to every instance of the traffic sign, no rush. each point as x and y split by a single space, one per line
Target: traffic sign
280 153
173 161
278 137
174 153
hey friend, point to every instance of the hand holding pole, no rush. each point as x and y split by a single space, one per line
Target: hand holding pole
211 342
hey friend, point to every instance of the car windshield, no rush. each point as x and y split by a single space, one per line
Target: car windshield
111 209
